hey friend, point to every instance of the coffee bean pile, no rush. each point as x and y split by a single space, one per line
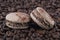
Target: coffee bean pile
33 32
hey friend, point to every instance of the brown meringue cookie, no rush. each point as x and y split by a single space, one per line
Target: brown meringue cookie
17 20
42 18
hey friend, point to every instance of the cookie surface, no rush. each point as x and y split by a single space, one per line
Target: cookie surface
18 17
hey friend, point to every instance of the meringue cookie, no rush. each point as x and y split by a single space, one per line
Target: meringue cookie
17 20
42 18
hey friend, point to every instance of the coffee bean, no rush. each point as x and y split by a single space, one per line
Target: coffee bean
8 6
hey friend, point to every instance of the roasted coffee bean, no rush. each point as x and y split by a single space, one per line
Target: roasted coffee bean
51 6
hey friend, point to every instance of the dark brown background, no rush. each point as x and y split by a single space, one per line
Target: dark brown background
32 33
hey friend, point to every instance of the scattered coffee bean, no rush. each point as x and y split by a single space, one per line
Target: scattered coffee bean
29 5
